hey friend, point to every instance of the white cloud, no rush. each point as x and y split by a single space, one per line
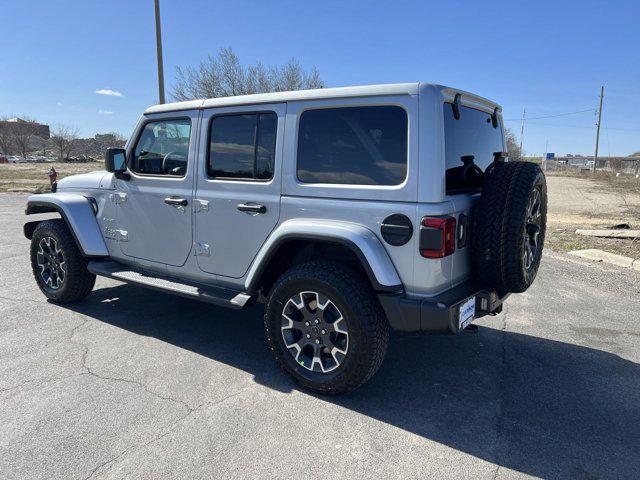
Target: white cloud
106 112
111 93
59 104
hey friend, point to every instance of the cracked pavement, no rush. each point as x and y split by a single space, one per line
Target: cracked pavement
132 383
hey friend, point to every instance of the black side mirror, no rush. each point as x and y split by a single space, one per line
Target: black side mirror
115 161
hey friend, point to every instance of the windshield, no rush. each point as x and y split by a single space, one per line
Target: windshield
472 134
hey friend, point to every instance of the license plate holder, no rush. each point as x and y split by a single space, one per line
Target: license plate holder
466 312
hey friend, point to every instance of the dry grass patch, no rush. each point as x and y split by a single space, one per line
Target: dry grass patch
33 176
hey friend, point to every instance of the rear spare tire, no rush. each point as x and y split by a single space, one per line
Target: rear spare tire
509 226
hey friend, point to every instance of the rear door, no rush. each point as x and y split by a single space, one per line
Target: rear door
237 199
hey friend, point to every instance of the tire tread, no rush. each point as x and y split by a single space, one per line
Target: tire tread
498 225
80 280
362 299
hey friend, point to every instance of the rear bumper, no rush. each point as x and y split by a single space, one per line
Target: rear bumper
438 314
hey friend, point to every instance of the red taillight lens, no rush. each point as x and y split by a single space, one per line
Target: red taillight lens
437 237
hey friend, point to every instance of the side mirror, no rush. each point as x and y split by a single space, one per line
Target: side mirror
115 161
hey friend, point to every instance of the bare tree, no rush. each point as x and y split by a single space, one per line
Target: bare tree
224 76
23 134
63 139
43 144
513 146
6 141
94 147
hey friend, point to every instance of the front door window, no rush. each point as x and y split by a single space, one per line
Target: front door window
163 148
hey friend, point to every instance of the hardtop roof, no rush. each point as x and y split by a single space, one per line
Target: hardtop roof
318 94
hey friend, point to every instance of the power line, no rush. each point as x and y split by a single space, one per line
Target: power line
582 126
552 116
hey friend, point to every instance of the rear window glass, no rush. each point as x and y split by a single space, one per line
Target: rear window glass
242 146
353 145
472 134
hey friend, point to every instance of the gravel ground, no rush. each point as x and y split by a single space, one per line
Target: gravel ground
137 384
578 202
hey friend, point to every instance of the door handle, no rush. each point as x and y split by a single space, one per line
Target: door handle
252 208
176 202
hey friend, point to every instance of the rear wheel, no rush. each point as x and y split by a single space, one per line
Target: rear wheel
326 327
58 266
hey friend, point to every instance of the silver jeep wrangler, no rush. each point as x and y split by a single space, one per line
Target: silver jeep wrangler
348 211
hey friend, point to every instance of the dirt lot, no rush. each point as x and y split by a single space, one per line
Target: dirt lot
584 202
32 177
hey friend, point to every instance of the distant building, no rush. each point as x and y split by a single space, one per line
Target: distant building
615 164
37 129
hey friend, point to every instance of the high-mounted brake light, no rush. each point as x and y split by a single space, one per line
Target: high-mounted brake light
437 237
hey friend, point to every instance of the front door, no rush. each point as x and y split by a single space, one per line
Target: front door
155 203
237 200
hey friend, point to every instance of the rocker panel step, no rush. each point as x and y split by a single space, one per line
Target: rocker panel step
217 296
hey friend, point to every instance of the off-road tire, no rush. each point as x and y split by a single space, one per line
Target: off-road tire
499 226
78 281
366 322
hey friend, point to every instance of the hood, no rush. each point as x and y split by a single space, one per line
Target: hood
91 180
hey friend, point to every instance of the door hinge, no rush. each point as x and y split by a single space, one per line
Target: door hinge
118 198
200 205
202 250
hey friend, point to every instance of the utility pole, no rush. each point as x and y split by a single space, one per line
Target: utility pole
524 114
595 157
159 54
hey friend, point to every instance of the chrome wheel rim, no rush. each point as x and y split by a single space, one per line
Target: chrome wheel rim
532 227
314 332
50 261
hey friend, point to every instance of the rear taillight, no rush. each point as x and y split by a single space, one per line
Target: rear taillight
437 237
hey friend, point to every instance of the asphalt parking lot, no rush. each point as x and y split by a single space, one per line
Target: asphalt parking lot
132 383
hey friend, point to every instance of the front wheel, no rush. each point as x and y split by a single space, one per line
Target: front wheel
58 266
326 327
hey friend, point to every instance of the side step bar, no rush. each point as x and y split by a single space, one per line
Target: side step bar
205 293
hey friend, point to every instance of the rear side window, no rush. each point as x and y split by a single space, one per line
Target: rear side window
353 145
163 148
243 146
472 134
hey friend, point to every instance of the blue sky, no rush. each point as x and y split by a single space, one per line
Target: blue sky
547 57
